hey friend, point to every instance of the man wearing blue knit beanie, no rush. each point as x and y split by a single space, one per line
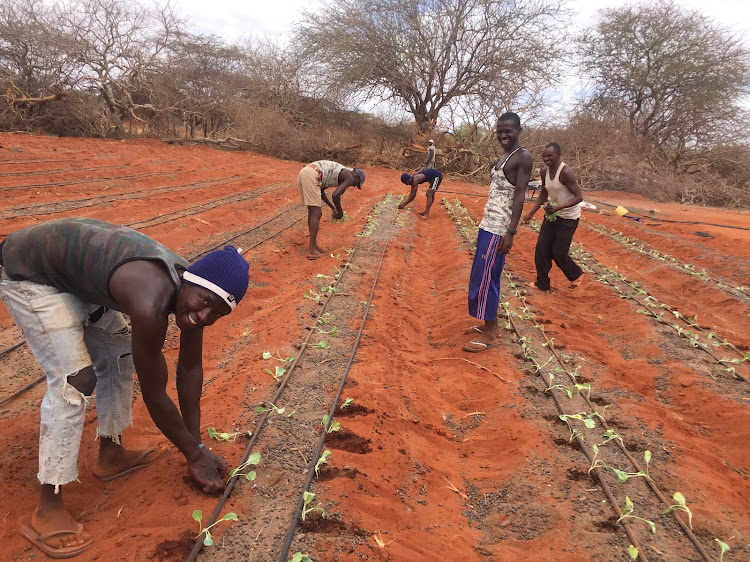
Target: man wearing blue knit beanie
67 284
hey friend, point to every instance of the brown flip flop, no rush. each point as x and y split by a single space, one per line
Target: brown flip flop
40 541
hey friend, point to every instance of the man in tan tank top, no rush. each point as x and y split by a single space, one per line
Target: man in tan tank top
561 214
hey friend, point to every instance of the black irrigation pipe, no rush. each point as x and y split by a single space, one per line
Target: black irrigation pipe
91 201
62 170
654 488
261 423
659 219
89 180
316 456
22 390
209 205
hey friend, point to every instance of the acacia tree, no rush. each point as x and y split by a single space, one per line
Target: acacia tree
677 77
428 55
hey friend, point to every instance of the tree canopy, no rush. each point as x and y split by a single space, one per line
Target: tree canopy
429 55
677 76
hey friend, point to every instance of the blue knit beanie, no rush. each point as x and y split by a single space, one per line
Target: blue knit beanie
223 272
405 178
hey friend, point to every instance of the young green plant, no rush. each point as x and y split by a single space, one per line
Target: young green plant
680 506
250 475
207 539
627 513
307 508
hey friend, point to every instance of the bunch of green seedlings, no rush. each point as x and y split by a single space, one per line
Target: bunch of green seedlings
373 220
551 217
460 216
250 475
622 475
280 370
207 539
342 219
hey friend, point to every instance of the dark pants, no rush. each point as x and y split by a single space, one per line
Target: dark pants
553 244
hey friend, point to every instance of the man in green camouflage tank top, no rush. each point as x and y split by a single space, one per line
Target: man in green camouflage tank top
67 283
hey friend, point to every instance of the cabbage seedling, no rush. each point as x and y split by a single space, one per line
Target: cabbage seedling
280 411
308 499
312 295
252 460
198 516
326 318
321 461
322 344
299 557
724 548
680 506
222 436
346 403
633 552
335 425
627 513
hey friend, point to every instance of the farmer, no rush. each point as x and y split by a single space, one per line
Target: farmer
510 178
561 214
66 284
312 181
430 154
430 176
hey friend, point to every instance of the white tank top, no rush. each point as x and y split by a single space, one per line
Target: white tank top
559 195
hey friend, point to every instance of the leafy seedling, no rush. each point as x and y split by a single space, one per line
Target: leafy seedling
623 476
322 344
633 552
308 498
627 513
326 318
198 516
278 357
680 506
260 409
321 461
298 556
278 372
647 458
312 295
252 460
334 425
724 548
346 403
222 436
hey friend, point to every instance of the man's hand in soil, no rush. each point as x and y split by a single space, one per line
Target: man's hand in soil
208 471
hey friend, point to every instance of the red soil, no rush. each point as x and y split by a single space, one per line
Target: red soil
426 421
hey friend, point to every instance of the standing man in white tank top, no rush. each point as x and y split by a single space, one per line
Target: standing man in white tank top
560 188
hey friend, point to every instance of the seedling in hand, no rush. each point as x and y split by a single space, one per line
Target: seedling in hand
627 513
308 499
321 461
198 516
680 506
252 460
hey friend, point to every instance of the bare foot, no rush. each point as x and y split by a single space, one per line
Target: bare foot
321 250
119 462
314 255
423 216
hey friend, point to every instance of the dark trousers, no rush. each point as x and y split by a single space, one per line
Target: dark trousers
553 244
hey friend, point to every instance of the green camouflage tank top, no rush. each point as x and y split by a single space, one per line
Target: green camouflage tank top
79 256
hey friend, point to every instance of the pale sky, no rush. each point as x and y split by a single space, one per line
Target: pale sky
235 19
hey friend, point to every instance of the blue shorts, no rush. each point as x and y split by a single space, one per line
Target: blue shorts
484 283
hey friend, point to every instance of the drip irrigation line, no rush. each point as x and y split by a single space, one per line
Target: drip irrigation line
659 219
91 201
88 180
651 484
321 443
274 399
22 390
12 347
62 170
196 209
605 486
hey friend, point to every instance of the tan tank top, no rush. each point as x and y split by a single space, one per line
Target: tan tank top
559 195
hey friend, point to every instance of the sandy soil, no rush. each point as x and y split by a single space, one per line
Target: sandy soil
442 454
